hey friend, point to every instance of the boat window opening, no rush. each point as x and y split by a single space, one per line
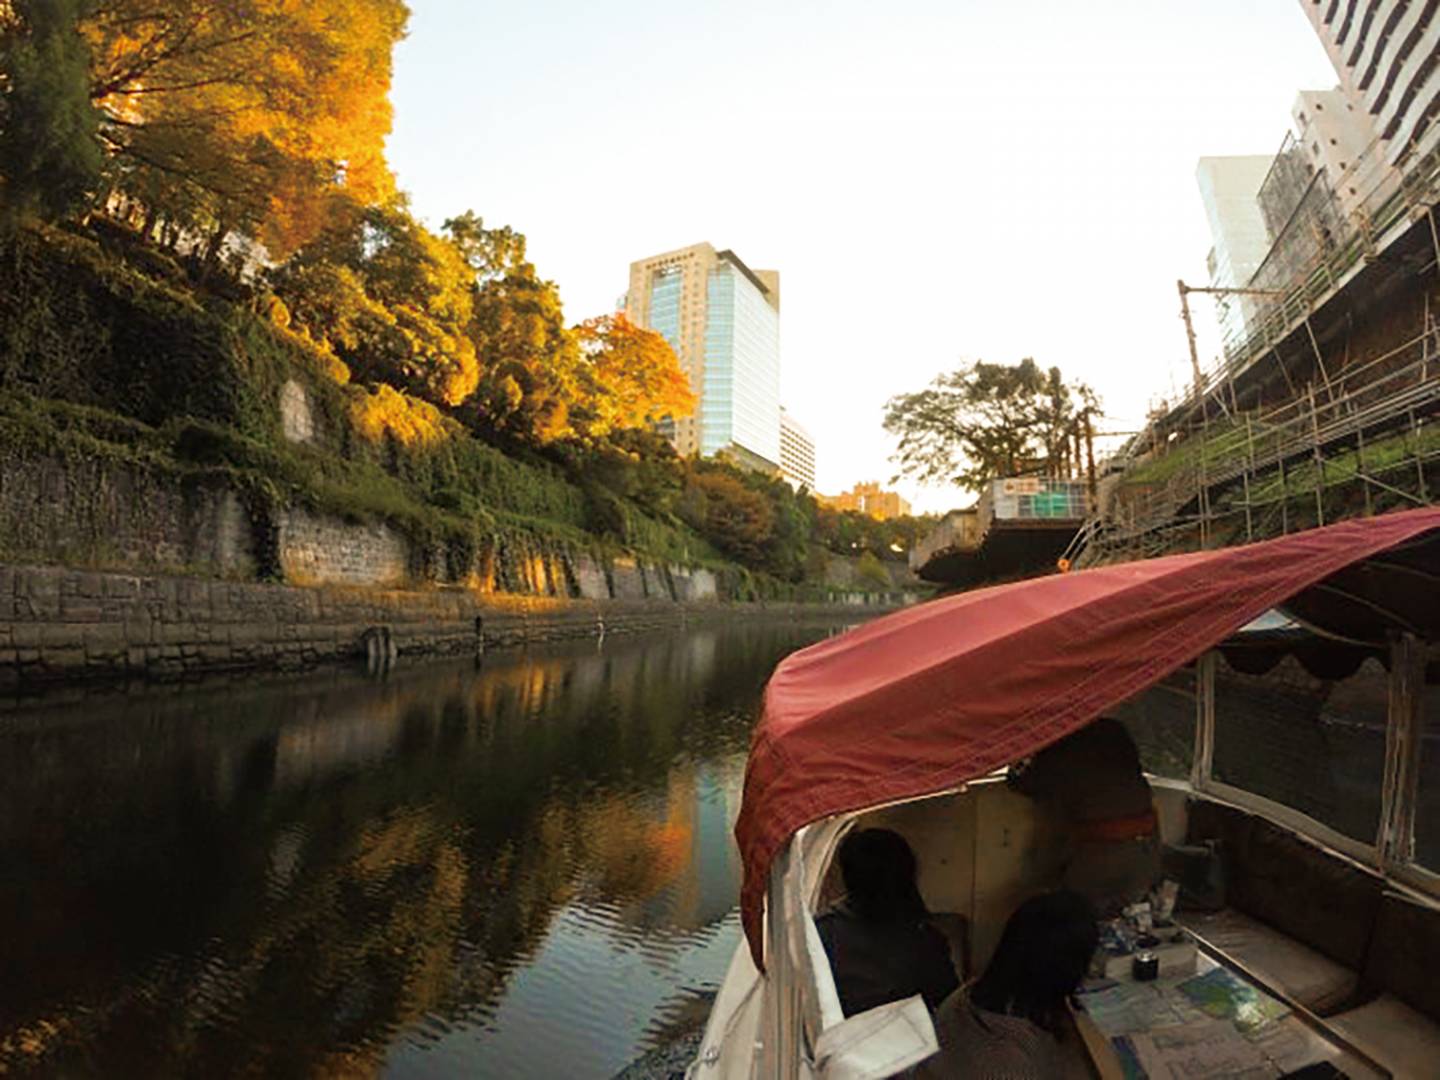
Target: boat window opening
1313 744
1427 795
1161 720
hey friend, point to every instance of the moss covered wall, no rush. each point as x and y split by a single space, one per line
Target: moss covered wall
106 514
89 511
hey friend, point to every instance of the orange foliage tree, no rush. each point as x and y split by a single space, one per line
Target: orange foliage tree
246 115
631 377
736 518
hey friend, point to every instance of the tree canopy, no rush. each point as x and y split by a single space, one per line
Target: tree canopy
208 128
984 421
49 128
390 299
632 377
210 116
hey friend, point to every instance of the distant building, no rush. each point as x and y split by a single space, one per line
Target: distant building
1275 213
1334 137
868 499
1229 190
797 452
723 321
1384 52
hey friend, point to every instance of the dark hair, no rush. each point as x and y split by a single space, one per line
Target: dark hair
1119 743
879 871
1042 956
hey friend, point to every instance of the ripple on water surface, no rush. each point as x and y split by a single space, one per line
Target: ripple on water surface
519 870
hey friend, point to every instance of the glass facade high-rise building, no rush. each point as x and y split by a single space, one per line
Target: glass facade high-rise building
723 321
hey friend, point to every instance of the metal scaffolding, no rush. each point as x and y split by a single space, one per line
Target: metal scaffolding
1372 443
1354 439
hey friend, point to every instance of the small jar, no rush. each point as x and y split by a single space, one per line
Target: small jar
1145 967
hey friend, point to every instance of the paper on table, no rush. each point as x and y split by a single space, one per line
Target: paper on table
1209 1048
1224 996
1292 1046
1130 1006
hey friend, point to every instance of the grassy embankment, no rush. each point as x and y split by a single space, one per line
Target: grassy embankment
1338 476
111 352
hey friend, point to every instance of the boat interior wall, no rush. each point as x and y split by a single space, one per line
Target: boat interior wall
980 852
1327 934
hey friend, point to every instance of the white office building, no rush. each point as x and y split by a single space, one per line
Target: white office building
797 453
1385 54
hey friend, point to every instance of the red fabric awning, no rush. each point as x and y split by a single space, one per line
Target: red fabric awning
947 691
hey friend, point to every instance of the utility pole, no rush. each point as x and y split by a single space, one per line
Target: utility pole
1090 457
1210 290
1184 291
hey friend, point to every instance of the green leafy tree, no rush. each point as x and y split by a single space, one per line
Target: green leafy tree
530 361
985 421
871 571
636 463
788 548
728 513
50 152
390 299
849 532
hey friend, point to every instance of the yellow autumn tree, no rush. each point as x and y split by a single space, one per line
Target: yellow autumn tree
389 298
530 364
632 377
254 116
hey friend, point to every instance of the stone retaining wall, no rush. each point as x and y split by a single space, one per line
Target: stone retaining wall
63 624
324 551
96 512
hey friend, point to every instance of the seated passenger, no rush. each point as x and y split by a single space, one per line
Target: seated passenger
1012 1024
878 938
1093 785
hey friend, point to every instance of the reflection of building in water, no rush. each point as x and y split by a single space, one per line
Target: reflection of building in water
717 863
700 649
701 802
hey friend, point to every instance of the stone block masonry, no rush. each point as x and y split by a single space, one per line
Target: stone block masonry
321 550
100 513
110 570
59 624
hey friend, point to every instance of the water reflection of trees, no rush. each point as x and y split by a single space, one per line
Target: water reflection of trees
281 878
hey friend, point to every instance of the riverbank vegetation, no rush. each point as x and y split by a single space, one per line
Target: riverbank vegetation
205 265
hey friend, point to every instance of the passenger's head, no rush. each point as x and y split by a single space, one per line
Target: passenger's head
879 871
1119 743
1042 956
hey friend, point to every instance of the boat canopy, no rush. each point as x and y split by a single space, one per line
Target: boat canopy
921 701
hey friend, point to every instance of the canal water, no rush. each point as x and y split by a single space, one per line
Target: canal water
521 869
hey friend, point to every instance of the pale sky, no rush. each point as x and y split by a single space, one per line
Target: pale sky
935 181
